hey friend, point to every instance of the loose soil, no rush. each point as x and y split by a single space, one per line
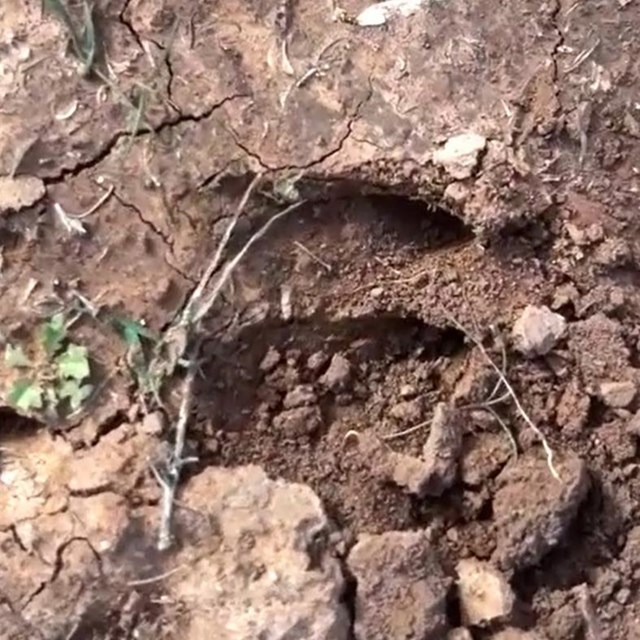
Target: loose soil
353 315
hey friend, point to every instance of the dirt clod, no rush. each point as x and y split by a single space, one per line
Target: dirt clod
401 587
437 470
537 331
618 395
533 510
299 421
301 396
484 593
338 375
19 192
244 588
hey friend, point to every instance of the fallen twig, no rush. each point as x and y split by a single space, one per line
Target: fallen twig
312 255
95 207
158 578
172 478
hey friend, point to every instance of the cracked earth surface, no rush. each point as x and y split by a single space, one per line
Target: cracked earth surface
299 520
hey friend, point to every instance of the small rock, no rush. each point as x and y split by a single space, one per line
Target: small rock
19 192
301 396
618 395
564 294
402 588
152 424
577 234
538 330
338 374
456 193
317 360
460 154
298 422
271 360
484 593
460 633
407 390
266 529
408 472
623 595
511 633
532 509
442 450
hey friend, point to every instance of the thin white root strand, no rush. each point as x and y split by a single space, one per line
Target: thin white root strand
95 207
505 428
545 445
406 432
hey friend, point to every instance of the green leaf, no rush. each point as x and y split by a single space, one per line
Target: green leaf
15 357
53 333
132 331
25 395
73 363
74 392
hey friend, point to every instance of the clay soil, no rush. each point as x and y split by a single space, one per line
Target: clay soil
353 315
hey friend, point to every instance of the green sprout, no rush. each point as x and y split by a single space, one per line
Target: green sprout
53 383
83 38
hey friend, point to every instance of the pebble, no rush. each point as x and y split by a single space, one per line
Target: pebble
338 374
537 331
618 395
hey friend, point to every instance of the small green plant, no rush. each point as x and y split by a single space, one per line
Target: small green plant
53 379
141 344
83 38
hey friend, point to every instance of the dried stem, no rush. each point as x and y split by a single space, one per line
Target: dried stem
525 416
214 263
170 481
232 264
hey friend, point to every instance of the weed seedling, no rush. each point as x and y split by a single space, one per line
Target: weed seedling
83 38
52 380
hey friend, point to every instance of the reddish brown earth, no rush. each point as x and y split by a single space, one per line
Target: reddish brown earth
392 253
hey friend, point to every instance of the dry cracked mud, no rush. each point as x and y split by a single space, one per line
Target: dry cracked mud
470 178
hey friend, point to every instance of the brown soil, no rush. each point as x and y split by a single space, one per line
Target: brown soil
344 317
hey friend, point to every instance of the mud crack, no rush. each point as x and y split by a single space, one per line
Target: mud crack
322 158
134 34
103 153
555 21
166 239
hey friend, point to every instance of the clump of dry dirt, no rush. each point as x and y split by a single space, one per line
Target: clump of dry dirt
358 463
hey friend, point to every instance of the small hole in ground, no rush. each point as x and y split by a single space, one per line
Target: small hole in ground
416 222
